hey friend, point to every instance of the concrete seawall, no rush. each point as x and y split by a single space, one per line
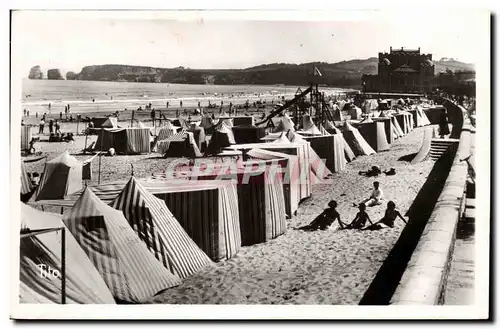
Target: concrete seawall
424 279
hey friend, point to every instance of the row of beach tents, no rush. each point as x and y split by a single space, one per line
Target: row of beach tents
128 241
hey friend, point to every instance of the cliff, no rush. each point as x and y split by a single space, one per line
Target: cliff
35 73
70 75
54 74
341 74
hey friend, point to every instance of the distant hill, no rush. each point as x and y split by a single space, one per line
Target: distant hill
341 74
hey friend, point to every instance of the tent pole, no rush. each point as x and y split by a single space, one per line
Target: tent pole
100 156
77 124
63 269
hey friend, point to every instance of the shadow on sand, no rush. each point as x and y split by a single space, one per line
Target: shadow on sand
387 279
408 157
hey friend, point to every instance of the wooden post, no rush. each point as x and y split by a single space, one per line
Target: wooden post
63 266
132 119
77 124
100 156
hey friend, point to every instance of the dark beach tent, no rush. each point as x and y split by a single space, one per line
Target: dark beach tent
222 137
214 223
160 231
375 134
248 134
130 270
62 176
124 140
179 145
84 284
356 141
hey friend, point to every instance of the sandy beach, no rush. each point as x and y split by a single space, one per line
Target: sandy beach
323 267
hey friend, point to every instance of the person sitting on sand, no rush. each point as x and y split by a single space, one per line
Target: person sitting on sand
360 220
326 219
375 198
389 218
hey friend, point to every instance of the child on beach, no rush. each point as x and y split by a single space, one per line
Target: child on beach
376 196
326 219
389 218
360 220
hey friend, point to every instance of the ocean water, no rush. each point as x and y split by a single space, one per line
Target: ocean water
104 96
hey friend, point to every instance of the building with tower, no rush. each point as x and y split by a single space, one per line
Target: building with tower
401 71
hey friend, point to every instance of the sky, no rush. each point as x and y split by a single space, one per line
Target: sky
71 40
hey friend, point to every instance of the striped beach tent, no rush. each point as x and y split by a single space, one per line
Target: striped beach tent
214 222
167 130
26 185
160 231
318 166
330 151
84 284
397 128
356 141
25 137
303 177
130 271
423 116
290 168
124 140
181 144
261 201
62 176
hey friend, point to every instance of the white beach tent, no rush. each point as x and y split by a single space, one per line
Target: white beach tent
84 284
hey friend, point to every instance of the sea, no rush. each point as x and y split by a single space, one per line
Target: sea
44 96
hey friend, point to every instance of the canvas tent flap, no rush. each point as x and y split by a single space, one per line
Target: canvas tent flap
160 231
356 141
111 122
84 284
130 271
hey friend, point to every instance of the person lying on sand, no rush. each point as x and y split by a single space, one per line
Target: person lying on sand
360 220
375 198
326 219
389 218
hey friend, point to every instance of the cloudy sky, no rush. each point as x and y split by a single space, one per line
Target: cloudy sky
71 40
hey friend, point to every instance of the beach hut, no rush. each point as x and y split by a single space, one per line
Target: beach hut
130 270
388 127
222 136
290 169
398 130
179 145
318 166
61 176
124 140
284 125
214 222
167 130
241 120
84 284
248 134
348 153
26 185
356 141
160 231
423 116
308 126
331 149
300 150
354 111
25 138
198 135
261 201
374 133
111 122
